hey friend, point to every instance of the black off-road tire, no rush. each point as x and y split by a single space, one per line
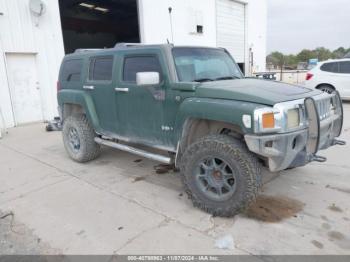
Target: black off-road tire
236 154
88 149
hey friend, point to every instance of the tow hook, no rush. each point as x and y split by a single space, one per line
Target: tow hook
317 158
339 142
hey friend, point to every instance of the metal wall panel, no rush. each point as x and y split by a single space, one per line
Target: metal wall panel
23 32
231 29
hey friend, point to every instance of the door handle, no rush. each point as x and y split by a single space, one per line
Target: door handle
89 87
121 89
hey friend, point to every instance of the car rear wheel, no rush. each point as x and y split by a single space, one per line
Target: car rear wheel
78 138
220 175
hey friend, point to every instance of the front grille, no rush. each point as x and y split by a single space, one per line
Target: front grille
324 105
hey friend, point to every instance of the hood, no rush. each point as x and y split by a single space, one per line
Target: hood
253 90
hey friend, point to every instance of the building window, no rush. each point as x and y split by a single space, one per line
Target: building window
199 29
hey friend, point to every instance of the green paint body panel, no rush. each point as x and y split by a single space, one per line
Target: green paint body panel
254 90
222 110
155 116
79 97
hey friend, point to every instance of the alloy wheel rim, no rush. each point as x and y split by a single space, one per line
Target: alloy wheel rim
216 178
327 90
73 138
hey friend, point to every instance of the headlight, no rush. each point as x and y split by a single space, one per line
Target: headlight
293 118
282 117
266 120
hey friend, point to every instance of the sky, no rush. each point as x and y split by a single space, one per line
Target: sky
294 25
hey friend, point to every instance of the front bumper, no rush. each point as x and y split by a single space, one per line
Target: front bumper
292 149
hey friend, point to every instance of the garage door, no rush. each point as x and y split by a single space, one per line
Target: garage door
24 87
231 28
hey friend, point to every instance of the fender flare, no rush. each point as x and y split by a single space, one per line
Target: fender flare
78 97
227 111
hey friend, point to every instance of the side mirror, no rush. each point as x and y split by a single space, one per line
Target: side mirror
147 78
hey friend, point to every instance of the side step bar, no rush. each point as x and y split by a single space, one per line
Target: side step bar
133 150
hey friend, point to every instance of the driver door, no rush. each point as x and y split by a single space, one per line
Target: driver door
140 109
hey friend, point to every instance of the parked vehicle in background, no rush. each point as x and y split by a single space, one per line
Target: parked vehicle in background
331 75
194 104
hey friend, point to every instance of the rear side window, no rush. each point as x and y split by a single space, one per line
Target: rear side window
136 64
344 67
101 68
330 67
71 70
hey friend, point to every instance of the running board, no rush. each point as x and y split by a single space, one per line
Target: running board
133 150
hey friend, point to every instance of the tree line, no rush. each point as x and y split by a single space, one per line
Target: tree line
280 60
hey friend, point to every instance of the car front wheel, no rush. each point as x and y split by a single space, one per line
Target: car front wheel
220 175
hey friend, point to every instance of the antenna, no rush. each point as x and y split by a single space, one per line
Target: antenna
171 23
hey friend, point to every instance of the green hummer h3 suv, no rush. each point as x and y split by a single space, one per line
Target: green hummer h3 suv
197 109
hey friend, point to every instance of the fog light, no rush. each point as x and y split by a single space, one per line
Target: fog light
293 118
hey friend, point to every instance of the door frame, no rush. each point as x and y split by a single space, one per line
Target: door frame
163 85
8 87
9 82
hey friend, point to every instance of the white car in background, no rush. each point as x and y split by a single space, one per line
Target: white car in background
331 75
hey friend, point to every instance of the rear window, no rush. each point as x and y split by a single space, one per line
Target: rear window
136 64
101 68
344 67
330 67
71 70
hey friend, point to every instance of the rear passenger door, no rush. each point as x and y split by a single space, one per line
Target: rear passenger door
344 79
100 86
140 109
329 73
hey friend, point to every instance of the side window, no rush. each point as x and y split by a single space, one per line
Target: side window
330 67
101 68
71 70
136 64
344 67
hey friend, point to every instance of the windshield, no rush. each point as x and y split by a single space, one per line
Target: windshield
204 64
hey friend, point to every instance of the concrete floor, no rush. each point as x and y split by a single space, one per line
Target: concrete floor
116 205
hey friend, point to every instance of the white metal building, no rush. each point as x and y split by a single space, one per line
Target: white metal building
35 35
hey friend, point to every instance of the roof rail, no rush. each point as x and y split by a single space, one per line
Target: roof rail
121 45
82 50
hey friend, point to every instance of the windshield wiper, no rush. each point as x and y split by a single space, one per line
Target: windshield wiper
200 80
226 78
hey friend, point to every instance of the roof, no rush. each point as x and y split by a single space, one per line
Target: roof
128 46
119 46
335 60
